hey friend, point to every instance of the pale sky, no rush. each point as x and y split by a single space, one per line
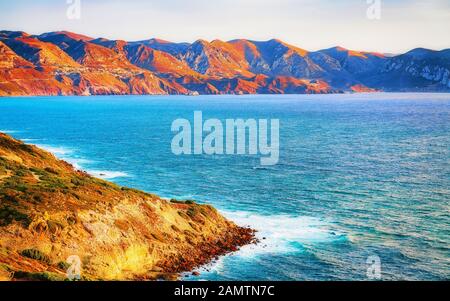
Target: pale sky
309 24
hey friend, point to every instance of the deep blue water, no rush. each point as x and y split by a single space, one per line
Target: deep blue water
358 176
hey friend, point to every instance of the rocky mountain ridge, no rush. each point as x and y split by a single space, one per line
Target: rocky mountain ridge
65 63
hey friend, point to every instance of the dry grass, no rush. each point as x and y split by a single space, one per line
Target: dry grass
49 211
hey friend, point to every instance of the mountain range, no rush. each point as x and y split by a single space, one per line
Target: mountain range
66 63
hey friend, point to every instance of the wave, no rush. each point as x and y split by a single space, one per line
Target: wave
77 162
260 168
29 140
277 234
283 233
8 131
56 150
67 154
107 175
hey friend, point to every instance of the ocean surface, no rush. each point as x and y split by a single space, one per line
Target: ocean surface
359 177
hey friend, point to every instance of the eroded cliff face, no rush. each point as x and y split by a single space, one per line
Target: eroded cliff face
424 74
420 70
49 211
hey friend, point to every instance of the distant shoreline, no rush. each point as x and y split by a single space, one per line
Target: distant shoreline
66 63
227 95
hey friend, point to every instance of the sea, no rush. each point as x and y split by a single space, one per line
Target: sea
361 190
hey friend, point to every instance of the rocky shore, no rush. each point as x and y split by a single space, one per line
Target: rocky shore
51 212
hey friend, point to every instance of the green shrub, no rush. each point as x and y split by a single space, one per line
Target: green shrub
51 170
36 255
20 173
37 198
37 171
192 212
53 184
139 192
62 265
21 187
8 198
175 201
79 181
188 202
45 276
196 210
29 149
9 214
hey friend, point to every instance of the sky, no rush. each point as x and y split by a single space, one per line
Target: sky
310 24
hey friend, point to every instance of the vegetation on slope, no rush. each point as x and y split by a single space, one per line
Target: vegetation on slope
50 211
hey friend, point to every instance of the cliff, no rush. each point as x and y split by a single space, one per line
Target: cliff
49 211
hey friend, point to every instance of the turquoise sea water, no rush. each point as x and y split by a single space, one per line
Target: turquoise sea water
358 176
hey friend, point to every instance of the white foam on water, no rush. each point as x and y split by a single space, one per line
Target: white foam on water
217 266
56 150
282 233
78 163
106 174
8 131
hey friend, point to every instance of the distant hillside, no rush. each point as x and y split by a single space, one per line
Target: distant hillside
50 211
65 63
418 70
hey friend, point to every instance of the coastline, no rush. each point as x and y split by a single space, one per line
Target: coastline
234 96
122 234
286 217
418 92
